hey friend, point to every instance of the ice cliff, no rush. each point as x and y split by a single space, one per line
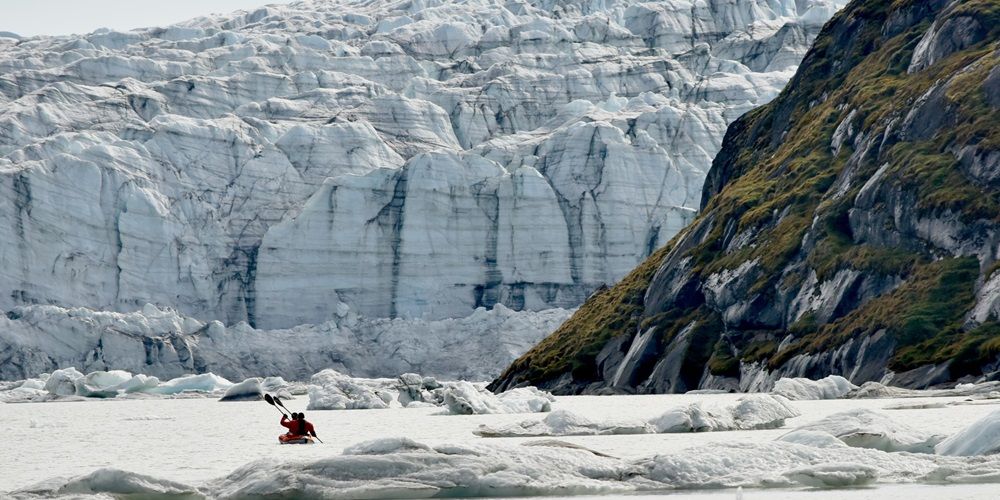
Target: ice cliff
163 343
409 159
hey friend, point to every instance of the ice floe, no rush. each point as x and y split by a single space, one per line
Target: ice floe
399 467
466 398
982 390
327 390
69 383
753 411
332 390
982 437
831 387
247 390
863 428
564 423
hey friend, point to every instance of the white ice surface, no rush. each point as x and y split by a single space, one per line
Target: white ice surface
203 456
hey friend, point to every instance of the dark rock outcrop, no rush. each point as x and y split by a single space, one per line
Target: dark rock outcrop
850 227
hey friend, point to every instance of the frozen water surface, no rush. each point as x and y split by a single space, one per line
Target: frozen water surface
198 441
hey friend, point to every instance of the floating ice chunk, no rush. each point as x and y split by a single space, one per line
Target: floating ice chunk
332 390
753 411
464 398
863 428
273 384
139 383
110 482
982 437
403 468
564 423
63 382
416 389
22 394
101 384
816 439
871 390
205 382
762 411
247 390
385 446
32 383
831 387
834 475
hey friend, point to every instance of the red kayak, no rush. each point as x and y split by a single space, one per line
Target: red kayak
286 439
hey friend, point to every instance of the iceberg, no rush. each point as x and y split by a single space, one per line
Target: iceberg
830 387
204 382
982 390
63 382
863 428
247 390
332 390
753 411
465 398
834 475
111 483
982 437
564 423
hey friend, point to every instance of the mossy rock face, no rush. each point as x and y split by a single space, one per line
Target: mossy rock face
863 203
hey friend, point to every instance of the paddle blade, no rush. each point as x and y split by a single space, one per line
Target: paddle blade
269 399
277 401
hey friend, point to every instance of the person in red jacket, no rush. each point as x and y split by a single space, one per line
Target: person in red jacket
297 426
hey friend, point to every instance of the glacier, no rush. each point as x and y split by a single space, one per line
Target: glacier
166 344
408 159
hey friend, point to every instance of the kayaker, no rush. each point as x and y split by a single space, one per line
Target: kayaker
298 426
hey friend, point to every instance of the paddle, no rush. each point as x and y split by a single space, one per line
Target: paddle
271 401
277 400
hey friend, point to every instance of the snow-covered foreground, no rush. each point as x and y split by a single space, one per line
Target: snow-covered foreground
219 449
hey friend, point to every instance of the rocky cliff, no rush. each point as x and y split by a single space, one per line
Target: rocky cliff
850 227
409 159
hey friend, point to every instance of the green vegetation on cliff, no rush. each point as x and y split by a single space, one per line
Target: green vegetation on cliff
865 198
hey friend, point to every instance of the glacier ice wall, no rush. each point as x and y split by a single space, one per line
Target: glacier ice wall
160 342
409 158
